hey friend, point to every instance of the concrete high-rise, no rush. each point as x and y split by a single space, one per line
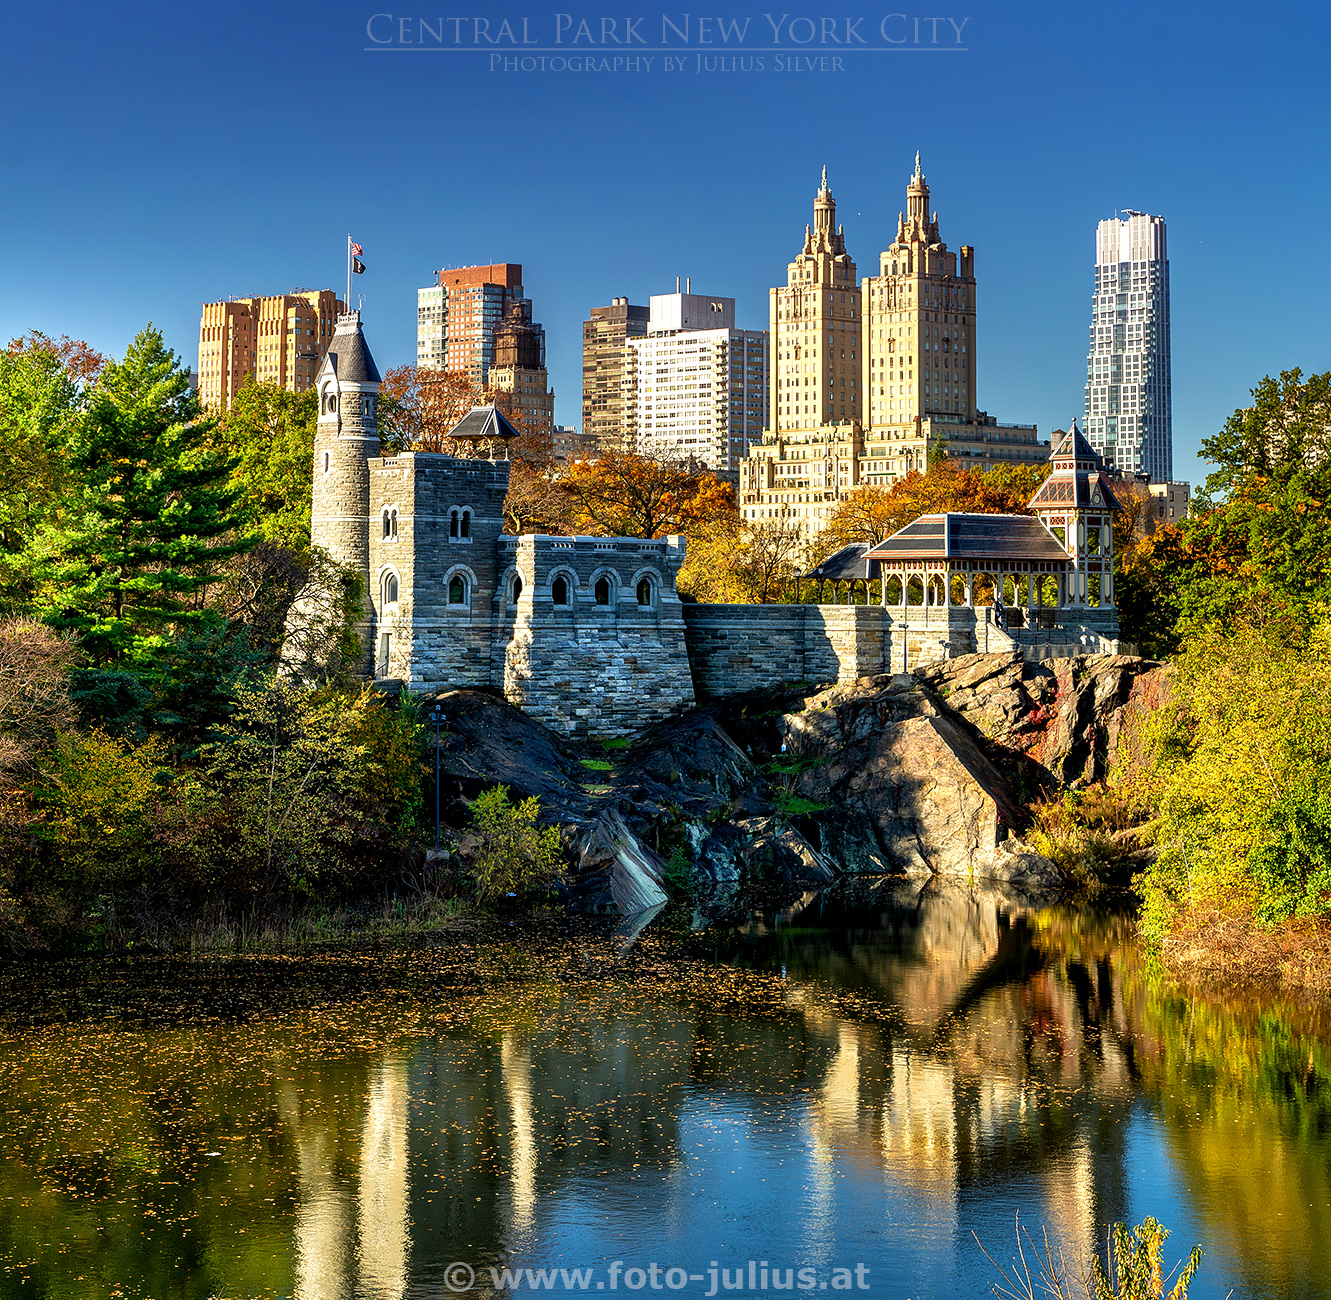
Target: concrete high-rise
277 338
810 454
1129 419
605 335
695 387
458 316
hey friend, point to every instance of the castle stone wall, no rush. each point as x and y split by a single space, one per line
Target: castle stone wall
735 649
586 667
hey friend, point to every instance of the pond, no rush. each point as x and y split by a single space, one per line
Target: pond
835 1098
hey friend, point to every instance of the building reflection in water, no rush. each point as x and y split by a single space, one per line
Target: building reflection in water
997 1069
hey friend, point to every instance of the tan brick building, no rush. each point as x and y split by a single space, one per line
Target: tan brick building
277 338
865 379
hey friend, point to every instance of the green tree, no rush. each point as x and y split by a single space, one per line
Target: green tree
150 510
270 432
307 788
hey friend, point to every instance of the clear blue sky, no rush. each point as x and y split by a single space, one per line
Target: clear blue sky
161 155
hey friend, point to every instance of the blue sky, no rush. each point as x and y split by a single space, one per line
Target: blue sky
159 156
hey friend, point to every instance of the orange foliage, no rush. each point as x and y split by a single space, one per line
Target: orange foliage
869 514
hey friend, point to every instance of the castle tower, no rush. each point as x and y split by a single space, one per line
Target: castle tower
1076 503
346 436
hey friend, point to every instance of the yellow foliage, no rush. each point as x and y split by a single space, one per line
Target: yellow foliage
102 796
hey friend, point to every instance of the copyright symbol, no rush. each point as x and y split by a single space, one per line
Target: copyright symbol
459 1277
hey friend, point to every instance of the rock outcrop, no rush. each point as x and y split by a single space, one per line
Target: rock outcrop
1066 717
684 795
916 774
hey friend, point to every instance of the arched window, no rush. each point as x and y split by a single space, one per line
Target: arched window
326 458
453 523
603 591
465 524
645 593
559 591
457 590
387 524
516 589
388 588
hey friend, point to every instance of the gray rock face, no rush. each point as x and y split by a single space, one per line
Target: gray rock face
917 774
1067 716
684 788
906 788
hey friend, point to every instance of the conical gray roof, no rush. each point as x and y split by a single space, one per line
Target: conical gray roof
349 353
483 422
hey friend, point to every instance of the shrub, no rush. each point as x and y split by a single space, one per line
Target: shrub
515 856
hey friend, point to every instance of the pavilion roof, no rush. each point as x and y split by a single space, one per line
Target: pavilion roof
972 537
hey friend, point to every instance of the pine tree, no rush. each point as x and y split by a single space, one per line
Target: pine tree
150 516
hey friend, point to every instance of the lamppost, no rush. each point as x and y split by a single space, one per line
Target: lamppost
438 718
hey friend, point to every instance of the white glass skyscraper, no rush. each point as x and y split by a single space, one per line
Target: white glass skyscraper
1128 413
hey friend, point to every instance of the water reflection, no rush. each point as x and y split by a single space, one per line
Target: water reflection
867 1078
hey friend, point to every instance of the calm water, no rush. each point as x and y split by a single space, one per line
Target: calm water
848 1087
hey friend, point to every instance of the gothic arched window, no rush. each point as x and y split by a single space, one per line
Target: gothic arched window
645 593
515 592
388 589
464 524
603 591
559 591
457 590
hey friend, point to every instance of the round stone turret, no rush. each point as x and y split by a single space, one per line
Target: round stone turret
346 436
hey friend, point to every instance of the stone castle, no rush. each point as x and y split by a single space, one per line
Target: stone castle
590 636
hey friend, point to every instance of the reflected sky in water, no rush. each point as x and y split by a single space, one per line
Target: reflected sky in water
863 1082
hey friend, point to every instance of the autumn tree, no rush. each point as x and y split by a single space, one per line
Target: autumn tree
624 495
869 514
742 562
42 385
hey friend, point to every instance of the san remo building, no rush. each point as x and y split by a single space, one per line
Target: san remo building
867 376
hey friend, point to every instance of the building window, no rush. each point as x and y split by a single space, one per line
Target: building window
388 589
457 590
465 524
559 591
326 462
385 647
515 592
645 593
390 524
603 591
452 525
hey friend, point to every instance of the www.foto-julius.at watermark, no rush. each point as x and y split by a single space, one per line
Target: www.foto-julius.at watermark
750 1276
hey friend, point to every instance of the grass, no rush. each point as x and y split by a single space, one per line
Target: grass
1235 950
794 805
597 764
616 742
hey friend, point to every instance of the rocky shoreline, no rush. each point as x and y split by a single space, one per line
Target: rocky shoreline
752 801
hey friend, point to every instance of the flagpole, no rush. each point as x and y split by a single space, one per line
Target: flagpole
348 304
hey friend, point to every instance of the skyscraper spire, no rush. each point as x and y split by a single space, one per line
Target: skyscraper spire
918 174
823 188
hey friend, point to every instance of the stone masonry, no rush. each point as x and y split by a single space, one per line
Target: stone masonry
586 634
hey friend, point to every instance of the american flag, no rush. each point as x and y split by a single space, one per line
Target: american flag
357 250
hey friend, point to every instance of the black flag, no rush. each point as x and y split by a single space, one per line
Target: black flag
357 266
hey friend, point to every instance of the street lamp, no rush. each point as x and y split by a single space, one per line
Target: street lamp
438 718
